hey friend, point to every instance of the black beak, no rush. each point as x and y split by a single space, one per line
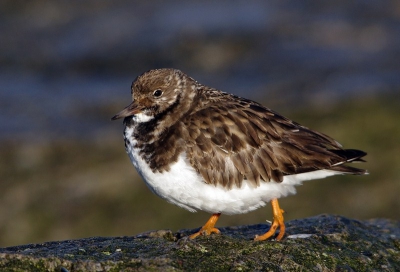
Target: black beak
130 110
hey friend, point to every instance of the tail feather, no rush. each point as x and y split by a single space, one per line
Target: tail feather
349 155
349 170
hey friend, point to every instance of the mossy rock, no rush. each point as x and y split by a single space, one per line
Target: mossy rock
321 243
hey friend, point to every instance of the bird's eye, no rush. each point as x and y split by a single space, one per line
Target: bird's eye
157 93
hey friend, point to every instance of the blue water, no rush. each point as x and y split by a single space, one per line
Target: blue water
66 67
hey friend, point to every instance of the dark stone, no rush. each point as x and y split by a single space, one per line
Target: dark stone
321 243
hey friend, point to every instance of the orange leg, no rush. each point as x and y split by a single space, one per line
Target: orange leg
278 222
208 228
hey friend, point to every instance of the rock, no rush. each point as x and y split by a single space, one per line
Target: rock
321 243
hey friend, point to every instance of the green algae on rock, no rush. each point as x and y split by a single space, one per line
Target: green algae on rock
321 243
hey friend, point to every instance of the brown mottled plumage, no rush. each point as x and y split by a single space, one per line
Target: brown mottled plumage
227 139
212 125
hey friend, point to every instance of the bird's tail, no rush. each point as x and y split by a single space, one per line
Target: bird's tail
349 156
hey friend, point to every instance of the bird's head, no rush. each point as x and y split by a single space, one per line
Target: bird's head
154 92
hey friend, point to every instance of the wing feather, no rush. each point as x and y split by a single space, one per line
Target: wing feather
244 140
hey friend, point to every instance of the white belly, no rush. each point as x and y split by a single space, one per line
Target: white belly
184 187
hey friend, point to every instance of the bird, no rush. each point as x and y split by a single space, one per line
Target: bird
204 149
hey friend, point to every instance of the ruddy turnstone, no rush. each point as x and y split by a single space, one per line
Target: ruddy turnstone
204 149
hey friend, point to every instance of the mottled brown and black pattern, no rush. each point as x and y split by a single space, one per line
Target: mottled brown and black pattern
225 138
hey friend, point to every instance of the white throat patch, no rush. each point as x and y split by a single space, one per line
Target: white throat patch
141 117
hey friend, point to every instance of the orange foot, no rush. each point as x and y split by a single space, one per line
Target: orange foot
208 228
278 222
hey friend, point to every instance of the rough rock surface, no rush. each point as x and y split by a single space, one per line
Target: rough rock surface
321 243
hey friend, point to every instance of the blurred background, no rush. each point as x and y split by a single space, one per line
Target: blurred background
66 68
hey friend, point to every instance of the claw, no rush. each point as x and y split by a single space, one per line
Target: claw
208 228
278 222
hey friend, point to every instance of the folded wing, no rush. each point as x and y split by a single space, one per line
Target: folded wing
240 139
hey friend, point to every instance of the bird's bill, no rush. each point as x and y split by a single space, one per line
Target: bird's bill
130 110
